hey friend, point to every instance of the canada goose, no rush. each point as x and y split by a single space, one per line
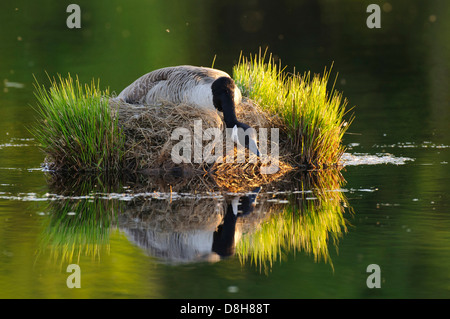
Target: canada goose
198 86
224 236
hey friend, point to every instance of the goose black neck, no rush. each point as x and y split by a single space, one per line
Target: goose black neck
223 99
229 112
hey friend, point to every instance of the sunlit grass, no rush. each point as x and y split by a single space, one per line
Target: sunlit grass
77 128
313 117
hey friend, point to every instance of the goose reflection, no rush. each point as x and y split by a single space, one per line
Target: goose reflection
224 237
210 241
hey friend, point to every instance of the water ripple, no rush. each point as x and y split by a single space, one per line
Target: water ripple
369 159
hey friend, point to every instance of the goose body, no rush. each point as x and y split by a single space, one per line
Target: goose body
197 86
177 84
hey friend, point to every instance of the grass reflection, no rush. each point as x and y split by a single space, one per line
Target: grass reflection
305 221
81 217
79 227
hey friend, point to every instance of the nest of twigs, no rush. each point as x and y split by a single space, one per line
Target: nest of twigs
148 131
178 215
150 139
242 177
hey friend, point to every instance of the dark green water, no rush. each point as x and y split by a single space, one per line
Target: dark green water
396 76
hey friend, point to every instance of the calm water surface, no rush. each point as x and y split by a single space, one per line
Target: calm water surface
390 207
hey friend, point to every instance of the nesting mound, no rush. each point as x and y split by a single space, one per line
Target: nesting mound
149 140
148 131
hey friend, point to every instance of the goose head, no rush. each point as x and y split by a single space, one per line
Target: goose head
224 101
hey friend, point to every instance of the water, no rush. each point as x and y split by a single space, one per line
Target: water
146 241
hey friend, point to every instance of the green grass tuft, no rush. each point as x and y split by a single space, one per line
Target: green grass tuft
313 117
77 128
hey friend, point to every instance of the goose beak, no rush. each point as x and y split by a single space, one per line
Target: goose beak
253 147
248 141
